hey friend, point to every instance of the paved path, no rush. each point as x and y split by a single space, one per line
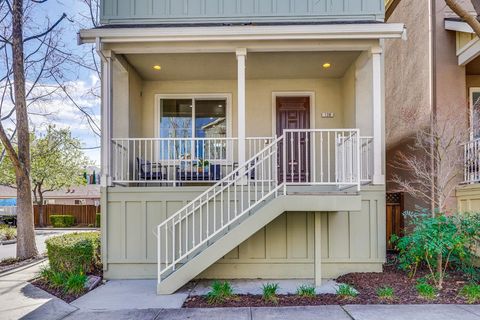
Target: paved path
373 312
20 300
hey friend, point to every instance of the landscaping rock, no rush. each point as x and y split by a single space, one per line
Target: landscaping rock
92 282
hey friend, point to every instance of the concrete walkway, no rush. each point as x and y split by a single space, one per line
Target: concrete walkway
372 312
21 300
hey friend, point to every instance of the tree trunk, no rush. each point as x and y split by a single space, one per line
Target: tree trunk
465 15
26 247
440 270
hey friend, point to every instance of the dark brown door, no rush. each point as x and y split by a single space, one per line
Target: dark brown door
294 113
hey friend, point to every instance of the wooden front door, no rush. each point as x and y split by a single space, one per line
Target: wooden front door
294 113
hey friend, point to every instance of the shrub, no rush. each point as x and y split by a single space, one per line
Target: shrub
471 292
62 221
97 220
219 292
346 291
70 283
426 290
74 252
270 292
7 233
438 242
386 293
306 291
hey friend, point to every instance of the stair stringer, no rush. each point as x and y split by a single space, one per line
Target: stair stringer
224 245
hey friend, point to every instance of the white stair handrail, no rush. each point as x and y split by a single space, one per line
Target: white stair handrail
263 163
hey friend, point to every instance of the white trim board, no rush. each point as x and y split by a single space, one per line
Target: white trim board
240 33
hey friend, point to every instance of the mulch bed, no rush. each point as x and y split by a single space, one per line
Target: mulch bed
367 285
59 292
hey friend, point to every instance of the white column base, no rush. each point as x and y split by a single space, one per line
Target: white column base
378 179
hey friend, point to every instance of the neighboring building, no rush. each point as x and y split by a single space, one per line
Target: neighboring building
436 70
295 181
78 195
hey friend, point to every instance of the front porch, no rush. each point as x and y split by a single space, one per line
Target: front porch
184 119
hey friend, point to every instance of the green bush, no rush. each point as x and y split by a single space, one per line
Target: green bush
69 282
220 291
97 220
74 252
270 292
306 291
471 292
450 238
62 221
346 291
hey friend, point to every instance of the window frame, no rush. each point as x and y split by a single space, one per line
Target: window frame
200 96
471 92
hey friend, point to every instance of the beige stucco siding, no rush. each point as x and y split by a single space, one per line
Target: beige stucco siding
328 94
351 241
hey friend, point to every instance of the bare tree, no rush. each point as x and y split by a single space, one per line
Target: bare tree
440 145
461 11
25 51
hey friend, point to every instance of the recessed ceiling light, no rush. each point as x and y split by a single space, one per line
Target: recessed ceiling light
327 65
157 67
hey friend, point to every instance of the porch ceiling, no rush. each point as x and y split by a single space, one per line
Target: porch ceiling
260 65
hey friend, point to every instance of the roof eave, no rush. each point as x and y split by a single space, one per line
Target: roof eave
245 33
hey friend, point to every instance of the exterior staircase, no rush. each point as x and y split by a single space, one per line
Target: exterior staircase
250 197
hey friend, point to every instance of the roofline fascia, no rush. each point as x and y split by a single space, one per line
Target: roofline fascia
245 33
459 26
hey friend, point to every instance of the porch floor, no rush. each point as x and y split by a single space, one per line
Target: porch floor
142 294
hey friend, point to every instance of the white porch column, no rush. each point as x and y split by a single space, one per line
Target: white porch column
241 59
106 123
377 97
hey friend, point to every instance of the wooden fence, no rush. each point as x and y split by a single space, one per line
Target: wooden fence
395 220
84 214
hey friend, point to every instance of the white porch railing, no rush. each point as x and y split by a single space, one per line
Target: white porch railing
177 160
299 157
472 161
366 159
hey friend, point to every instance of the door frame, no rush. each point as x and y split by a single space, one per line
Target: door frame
277 94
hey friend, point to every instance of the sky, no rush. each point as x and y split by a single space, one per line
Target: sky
79 81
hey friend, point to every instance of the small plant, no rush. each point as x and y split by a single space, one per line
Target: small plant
386 293
426 290
219 292
347 292
471 292
54 278
306 291
270 292
75 283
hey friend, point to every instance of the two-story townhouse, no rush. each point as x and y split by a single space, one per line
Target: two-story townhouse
434 73
242 138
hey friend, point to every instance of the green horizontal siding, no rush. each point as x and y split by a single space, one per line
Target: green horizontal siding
237 11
